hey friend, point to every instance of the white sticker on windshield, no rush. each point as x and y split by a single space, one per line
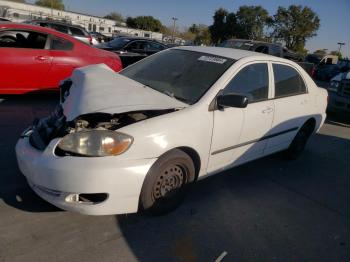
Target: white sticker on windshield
212 59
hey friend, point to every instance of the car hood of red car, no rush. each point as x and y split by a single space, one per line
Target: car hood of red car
98 89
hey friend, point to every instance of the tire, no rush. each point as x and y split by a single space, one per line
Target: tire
299 142
167 182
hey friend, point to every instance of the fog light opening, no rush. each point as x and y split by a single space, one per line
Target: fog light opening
93 198
86 198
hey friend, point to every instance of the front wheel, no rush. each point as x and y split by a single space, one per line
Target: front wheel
166 183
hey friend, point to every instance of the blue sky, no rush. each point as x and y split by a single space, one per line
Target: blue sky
334 14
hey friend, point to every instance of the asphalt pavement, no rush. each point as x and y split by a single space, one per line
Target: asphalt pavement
267 210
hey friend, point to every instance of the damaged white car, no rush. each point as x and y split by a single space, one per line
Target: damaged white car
119 143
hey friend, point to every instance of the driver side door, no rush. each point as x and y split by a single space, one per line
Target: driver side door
240 134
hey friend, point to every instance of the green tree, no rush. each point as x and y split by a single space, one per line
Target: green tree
194 29
320 52
251 21
145 23
295 25
56 4
115 16
18 1
199 34
203 36
217 29
337 53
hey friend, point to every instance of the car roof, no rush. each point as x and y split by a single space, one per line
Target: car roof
58 23
10 25
253 41
224 52
131 38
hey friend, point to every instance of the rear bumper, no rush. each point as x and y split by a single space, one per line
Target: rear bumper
54 178
338 103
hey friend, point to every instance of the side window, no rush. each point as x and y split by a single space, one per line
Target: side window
23 39
262 49
60 44
252 81
154 46
60 28
136 45
275 50
287 81
77 31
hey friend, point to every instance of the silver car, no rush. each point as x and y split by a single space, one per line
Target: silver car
75 31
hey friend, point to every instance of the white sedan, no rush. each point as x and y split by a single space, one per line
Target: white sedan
119 143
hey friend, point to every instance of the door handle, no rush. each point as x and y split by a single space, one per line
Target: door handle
41 58
267 110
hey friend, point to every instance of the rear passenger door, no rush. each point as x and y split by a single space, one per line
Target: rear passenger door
65 60
291 103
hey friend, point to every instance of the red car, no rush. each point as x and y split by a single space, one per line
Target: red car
35 58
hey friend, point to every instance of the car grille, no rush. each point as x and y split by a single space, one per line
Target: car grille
345 88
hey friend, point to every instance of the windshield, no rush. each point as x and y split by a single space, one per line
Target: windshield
118 42
237 44
184 75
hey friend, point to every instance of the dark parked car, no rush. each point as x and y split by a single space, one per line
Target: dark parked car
75 31
132 49
99 38
274 49
326 72
339 94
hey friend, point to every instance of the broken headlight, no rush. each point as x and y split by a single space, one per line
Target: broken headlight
96 143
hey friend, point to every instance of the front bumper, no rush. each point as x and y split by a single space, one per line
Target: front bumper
54 178
338 103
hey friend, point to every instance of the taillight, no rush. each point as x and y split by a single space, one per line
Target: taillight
119 65
90 40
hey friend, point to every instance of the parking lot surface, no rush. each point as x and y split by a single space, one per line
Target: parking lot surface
267 210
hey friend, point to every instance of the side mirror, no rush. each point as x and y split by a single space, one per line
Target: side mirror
232 100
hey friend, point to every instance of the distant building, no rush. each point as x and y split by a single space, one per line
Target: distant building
19 12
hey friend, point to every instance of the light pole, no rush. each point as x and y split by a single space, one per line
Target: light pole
52 9
340 45
174 19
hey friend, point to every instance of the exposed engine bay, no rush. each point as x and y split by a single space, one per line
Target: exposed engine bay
55 125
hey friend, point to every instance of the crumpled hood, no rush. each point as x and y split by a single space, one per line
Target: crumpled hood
97 88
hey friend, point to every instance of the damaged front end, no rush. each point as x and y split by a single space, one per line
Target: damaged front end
56 126
94 104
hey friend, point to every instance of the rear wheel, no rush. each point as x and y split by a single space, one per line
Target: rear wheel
299 142
167 182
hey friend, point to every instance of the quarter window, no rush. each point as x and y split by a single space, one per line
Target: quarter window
252 81
77 31
59 28
60 44
287 81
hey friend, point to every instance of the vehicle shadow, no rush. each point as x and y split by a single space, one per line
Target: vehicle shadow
269 209
17 112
